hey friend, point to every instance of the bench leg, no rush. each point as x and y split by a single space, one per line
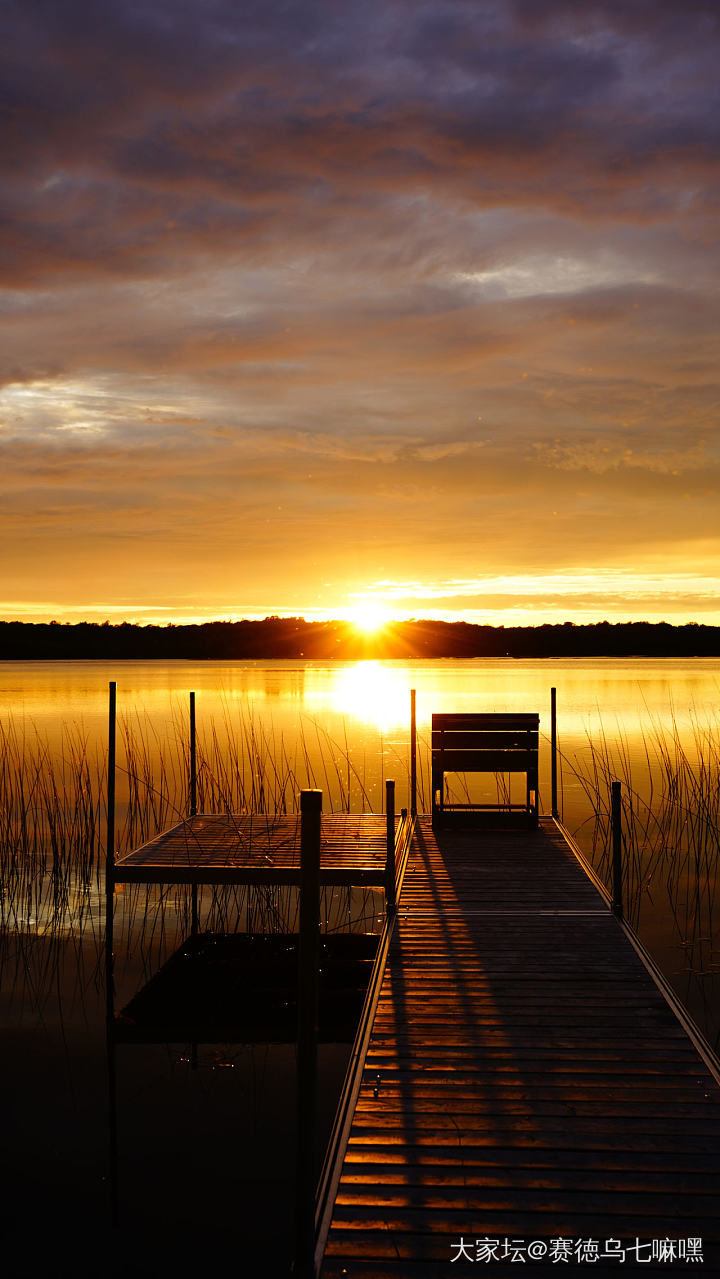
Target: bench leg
438 788
532 799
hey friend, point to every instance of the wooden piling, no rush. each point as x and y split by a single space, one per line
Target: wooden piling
110 852
308 972
553 753
109 968
193 809
413 755
390 889
193 759
617 903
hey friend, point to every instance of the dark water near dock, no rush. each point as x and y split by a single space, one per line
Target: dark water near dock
206 1134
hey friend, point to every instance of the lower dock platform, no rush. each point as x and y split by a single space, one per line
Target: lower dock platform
232 848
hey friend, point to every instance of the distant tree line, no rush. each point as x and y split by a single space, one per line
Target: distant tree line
293 637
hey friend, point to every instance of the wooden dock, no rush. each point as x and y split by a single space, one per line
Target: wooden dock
526 1079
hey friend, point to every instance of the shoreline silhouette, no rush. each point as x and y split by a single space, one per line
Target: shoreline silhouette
293 637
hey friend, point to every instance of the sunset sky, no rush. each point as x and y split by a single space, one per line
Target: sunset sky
305 304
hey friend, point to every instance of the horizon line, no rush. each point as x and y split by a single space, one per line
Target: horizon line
348 621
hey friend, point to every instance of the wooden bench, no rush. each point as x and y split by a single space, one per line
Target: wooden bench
485 743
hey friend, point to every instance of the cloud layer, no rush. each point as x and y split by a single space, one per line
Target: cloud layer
298 299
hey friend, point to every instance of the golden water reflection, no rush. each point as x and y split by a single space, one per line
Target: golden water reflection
364 707
373 693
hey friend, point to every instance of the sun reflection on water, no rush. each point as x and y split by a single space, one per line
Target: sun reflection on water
373 693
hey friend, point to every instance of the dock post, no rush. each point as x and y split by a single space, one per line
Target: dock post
110 854
413 755
617 902
553 753
193 759
193 809
308 969
109 967
390 860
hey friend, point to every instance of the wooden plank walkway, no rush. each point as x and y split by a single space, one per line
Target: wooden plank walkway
235 848
525 1079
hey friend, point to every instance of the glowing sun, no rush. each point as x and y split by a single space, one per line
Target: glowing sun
369 617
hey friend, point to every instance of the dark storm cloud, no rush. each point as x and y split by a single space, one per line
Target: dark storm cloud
130 127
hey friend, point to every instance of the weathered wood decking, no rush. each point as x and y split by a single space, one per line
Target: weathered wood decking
235 848
525 1077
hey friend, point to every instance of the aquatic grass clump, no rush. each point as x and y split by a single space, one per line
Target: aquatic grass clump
51 839
244 766
670 818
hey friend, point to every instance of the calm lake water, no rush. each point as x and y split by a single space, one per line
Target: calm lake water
345 728
363 708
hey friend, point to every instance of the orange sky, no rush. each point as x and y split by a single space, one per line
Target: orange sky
413 303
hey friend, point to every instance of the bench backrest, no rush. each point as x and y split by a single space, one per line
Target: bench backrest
465 742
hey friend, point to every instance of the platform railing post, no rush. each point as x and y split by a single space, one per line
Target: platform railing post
307 1034
109 966
193 809
553 753
617 903
413 754
390 859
